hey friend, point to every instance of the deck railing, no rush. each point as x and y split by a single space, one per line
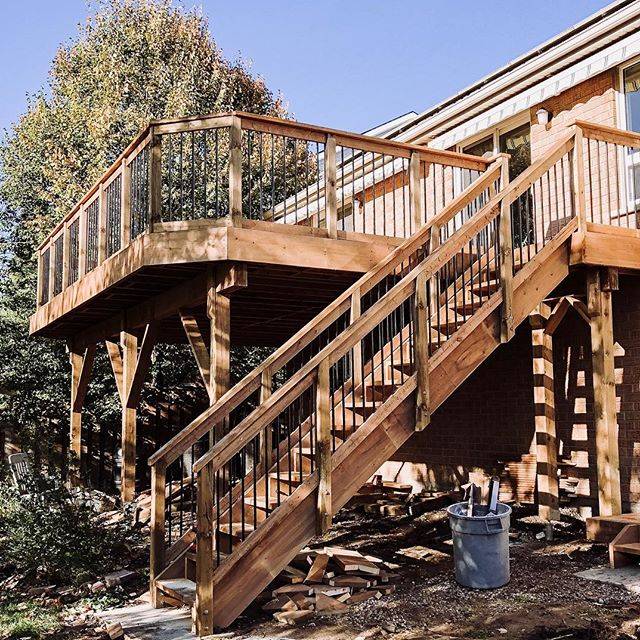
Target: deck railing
231 168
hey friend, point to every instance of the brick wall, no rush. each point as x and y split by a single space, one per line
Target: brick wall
593 100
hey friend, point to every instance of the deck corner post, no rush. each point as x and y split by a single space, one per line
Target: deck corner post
579 200
235 172
204 552
157 525
330 181
546 445
155 178
600 310
505 233
323 447
421 354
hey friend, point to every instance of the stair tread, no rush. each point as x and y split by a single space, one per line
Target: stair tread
628 547
181 588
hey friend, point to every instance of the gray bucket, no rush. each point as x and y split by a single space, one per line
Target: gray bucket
480 545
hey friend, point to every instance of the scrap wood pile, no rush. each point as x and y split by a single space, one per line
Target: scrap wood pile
327 581
383 498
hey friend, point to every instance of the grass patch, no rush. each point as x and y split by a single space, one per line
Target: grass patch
26 620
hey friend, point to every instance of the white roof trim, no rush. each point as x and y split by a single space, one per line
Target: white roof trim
514 82
612 56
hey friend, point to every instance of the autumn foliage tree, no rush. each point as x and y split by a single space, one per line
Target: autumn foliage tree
131 61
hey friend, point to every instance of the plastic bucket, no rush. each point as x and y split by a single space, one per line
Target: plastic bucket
480 545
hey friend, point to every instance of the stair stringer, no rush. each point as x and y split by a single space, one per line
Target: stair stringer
255 563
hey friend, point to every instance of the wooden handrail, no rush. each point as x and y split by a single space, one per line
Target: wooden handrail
243 389
608 134
251 426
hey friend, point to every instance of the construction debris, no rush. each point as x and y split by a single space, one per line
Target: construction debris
383 498
327 581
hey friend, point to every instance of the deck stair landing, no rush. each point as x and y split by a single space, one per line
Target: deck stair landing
298 436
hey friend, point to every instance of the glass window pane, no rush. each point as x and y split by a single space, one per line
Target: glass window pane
481 148
517 143
632 96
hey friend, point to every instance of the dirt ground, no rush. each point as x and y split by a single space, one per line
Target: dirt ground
544 599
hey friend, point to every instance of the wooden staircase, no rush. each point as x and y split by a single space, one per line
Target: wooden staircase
297 437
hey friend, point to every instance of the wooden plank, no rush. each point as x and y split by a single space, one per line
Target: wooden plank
157 526
266 435
125 205
82 243
75 422
578 180
204 554
142 365
604 133
198 348
155 178
415 193
331 196
355 312
604 396
506 257
544 412
115 357
129 344
323 448
421 353
66 266
235 173
102 225
231 277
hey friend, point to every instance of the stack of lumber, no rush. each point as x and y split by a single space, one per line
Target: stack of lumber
327 581
383 498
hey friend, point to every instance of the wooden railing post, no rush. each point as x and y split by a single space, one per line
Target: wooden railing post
52 269
82 242
158 505
323 448
125 204
266 437
417 203
421 352
155 179
578 180
40 285
506 257
204 553
331 198
102 225
235 172
356 310
66 272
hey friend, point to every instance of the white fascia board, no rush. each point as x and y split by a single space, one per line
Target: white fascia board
612 56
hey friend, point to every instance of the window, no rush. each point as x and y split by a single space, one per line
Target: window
631 82
484 148
517 143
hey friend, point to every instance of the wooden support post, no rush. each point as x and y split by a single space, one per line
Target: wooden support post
579 199
129 344
415 193
52 269
125 204
600 311
199 349
544 411
219 314
357 349
155 179
235 172
40 285
331 198
81 366
434 282
142 365
157 525
323 448
102 225
421 354
266 435
204 553
507 330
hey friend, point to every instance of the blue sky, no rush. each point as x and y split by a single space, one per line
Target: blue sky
348 64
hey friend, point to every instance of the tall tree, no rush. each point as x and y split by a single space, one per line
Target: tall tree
133 60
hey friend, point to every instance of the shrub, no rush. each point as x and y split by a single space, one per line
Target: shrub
50 534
